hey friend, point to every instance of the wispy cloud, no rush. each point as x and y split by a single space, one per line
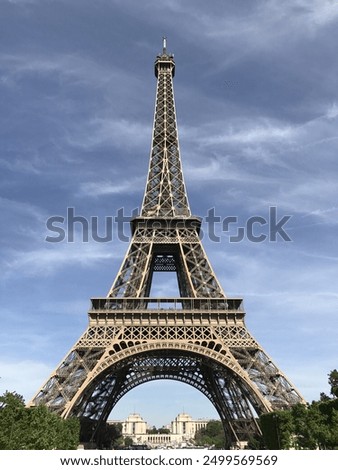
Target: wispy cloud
332 111
264 130
320 12
101 188
48 260
74 68
119 133
249 132
22 209
22 165
32 375
268 22
274 159
18 2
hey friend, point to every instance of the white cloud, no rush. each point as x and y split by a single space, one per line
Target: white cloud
310 378
95 188
120 133
48 260
24 165
219 168
277 162
329 214
23 376
22 209
264 130
19 2
332 111
249 132
266 25
321 12
74 67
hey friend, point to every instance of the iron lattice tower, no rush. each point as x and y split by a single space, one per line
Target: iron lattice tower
199 338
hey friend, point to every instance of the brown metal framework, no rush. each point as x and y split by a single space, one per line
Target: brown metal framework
199 338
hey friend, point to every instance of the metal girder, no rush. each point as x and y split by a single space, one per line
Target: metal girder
165 194
196 277
219 384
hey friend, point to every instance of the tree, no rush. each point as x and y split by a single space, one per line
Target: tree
323 397
333 382
12 412
116 430
334 431
163 430
329 411
155 430
107 435
104 436
12 399
310 426
128 441
212 435
256 442
152 430
277 428
34 428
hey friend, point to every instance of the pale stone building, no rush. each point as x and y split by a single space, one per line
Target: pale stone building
184 425
133 425
182 431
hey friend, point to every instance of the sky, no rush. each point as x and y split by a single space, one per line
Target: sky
257 110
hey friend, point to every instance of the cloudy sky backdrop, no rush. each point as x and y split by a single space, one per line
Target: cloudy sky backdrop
257 107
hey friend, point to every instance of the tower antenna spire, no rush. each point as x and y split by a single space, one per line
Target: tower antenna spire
164 45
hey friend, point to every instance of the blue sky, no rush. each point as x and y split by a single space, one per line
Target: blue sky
257 107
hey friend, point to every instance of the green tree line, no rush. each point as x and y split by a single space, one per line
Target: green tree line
304 426
38 428
310 426
34 428
211 436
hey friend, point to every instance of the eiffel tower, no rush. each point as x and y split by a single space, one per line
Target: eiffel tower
199 338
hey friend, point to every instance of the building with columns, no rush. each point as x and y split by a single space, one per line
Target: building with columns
184 425
134 425
182 431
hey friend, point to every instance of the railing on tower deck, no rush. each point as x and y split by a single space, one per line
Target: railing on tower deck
182 303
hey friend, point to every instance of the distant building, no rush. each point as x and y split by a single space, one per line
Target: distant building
182 431
184 425
133 425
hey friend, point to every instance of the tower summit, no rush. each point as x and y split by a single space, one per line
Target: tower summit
199 338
